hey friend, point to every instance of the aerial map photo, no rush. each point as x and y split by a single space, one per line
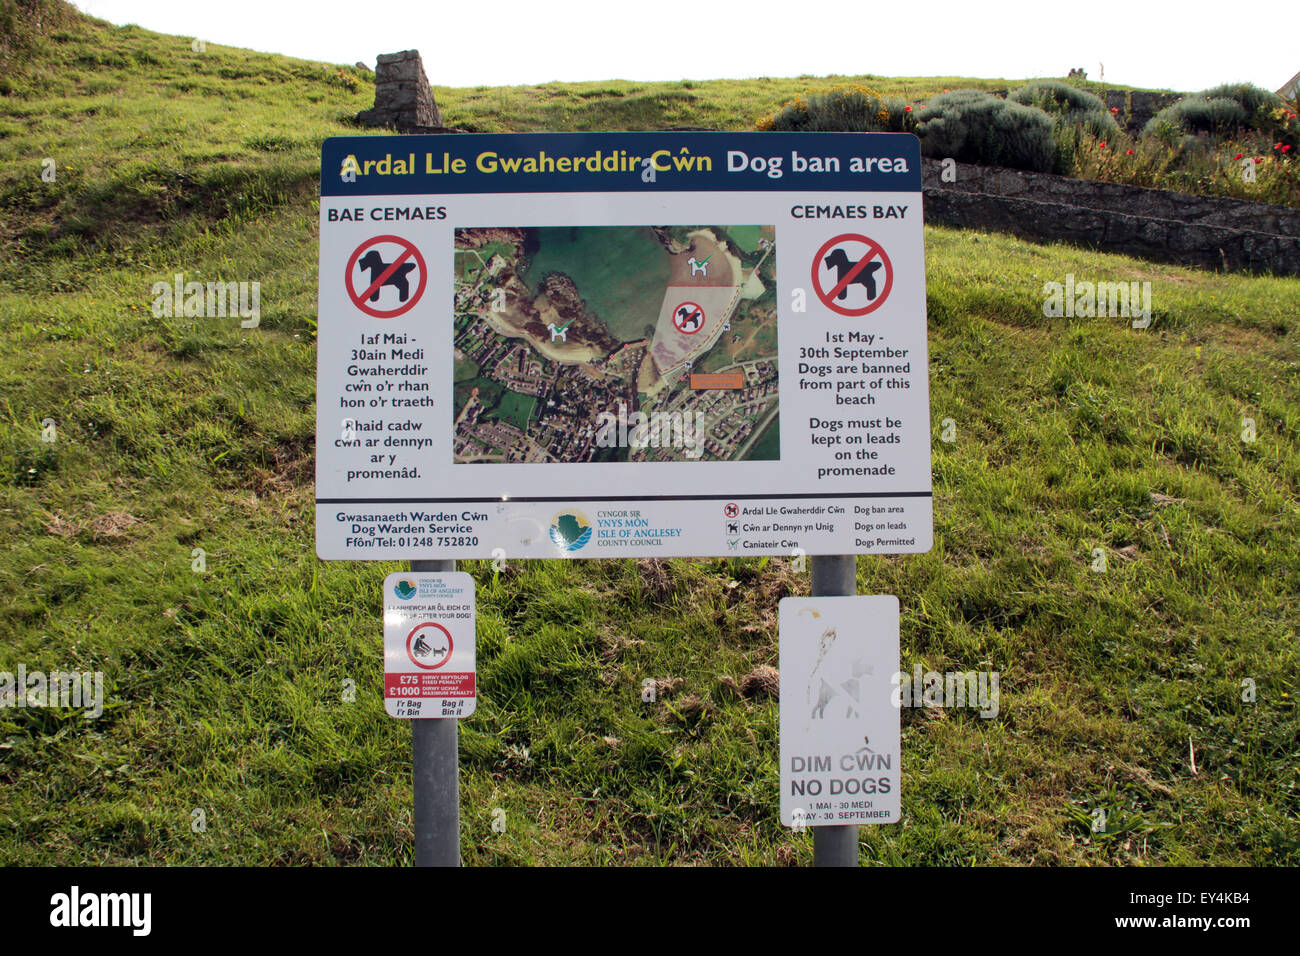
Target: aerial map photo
616 343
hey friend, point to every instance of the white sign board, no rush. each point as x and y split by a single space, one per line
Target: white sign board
840 745
620 345
429 663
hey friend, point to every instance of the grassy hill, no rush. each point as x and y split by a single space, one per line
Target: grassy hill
228 690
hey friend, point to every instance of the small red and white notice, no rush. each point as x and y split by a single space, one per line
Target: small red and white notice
429 662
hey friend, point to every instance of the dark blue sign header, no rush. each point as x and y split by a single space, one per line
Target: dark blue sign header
623 162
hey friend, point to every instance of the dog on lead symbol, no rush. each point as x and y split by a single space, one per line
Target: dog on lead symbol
423 648
374 263
839 261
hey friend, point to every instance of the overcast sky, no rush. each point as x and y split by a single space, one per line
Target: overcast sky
505 42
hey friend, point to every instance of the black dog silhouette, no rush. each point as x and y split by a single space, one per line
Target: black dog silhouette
691 317
375 265
842 264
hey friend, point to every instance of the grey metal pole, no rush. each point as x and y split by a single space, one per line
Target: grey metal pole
436 767
835 574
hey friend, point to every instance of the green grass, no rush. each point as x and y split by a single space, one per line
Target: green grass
768 446
229 691
515 408
746 237
627 105
465 369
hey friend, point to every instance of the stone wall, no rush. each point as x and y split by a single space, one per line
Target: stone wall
1205 231
1136 107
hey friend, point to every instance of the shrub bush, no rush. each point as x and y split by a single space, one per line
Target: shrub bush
1223 110
852 109
1219 116
1256 101
1053 96
1070 105
1100 124
1193 166
976 127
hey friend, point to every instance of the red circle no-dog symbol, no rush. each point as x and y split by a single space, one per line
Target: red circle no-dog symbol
379 276
688 318
429 645
852 275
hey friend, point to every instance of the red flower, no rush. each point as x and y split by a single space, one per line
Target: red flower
1115 110
1286 148
1102 144
1129 153
1277 145
1259 159
1238 156
907 109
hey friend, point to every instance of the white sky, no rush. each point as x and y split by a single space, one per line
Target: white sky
505 42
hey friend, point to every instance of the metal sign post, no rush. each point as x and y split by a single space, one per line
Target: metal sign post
434 759
835 574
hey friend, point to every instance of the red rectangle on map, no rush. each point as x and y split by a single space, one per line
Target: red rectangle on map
717 380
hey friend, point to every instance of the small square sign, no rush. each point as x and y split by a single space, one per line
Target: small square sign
840 746
429 660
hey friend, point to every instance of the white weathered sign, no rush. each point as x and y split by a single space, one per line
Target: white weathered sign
839 723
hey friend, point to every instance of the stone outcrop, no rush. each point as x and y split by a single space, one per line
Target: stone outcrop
403 100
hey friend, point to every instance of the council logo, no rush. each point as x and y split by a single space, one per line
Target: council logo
405 589
570 530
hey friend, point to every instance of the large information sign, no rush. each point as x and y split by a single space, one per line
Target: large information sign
622 344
